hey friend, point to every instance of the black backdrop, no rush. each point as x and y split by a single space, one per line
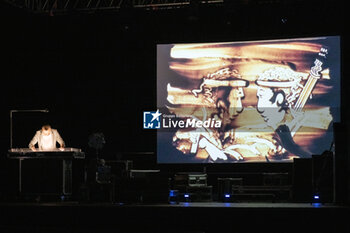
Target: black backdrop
96 72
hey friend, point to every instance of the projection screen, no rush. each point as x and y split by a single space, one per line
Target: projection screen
247 101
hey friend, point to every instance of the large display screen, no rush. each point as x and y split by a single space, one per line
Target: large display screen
247 101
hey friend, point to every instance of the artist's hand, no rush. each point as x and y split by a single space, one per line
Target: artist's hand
214 152
61 148
33 148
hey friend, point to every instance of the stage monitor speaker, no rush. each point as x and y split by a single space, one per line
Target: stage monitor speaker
226 186
322 177
341 164
302 180
144 186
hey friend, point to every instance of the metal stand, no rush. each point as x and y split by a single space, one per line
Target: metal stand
20 176
67 177
66 191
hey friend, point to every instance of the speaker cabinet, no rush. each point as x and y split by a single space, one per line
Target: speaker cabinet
302 180
322 176
341 164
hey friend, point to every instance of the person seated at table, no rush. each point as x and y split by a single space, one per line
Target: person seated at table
46 139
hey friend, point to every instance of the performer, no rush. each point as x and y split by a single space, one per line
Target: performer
46 139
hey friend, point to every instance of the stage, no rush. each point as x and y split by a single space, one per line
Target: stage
236 111
182 217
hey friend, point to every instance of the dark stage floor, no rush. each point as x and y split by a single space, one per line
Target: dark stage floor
182 217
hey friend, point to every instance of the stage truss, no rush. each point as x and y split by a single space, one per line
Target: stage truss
64 6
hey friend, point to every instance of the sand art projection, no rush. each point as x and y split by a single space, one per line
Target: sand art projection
252 101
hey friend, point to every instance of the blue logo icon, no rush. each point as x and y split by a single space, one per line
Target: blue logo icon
151 120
